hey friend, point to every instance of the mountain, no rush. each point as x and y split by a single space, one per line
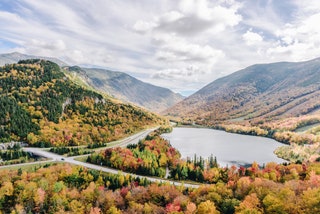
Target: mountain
40 105
116 84
14 57
264 91
127 88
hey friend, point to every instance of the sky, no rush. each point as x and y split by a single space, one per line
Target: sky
179 44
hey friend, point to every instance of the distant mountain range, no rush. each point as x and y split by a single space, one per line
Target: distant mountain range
14 57
262 91
127 88
116 84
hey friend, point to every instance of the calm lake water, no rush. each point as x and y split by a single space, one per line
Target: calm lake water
230 149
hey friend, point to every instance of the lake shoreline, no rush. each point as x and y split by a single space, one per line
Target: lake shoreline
232 139
221 128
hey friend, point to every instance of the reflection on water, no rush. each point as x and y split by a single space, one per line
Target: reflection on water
230 149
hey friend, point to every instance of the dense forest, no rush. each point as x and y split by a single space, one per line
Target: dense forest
151 156
64 188
41 106
154 155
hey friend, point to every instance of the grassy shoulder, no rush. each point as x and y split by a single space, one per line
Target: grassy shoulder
15 155
31 166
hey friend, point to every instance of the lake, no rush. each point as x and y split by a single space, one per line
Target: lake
230 149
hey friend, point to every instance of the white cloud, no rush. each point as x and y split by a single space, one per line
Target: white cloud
170 16
212 11
307 7
176 44
185 73
264 15
193 17
179 49
299 39
252 38
143 26
55 45
180 37
196 16
11 18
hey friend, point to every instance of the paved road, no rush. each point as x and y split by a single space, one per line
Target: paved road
130 140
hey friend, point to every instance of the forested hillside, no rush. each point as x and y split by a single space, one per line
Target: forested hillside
263 91
278 100
40 105
71 189
119 85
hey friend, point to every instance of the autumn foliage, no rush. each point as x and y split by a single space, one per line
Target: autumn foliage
69 189
41 106
150 156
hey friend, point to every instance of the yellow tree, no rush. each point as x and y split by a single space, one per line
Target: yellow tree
6 189
76 206
207 207
251 204
310 202
113 210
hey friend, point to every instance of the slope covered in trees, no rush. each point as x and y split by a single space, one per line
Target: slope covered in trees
151 156
119 85
154 155
262 91
70 189
273 100
40 105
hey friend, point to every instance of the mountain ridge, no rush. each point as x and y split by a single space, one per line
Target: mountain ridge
247 91
14 57
114 83
40 105
128 88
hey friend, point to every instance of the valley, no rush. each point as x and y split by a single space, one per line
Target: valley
45 107
270 100
93 188
228 148
159 107
127 88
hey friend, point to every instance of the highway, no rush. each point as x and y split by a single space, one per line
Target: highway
130 140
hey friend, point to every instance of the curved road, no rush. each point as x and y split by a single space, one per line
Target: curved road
130 140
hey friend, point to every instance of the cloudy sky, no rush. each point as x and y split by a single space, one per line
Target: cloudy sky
182 45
